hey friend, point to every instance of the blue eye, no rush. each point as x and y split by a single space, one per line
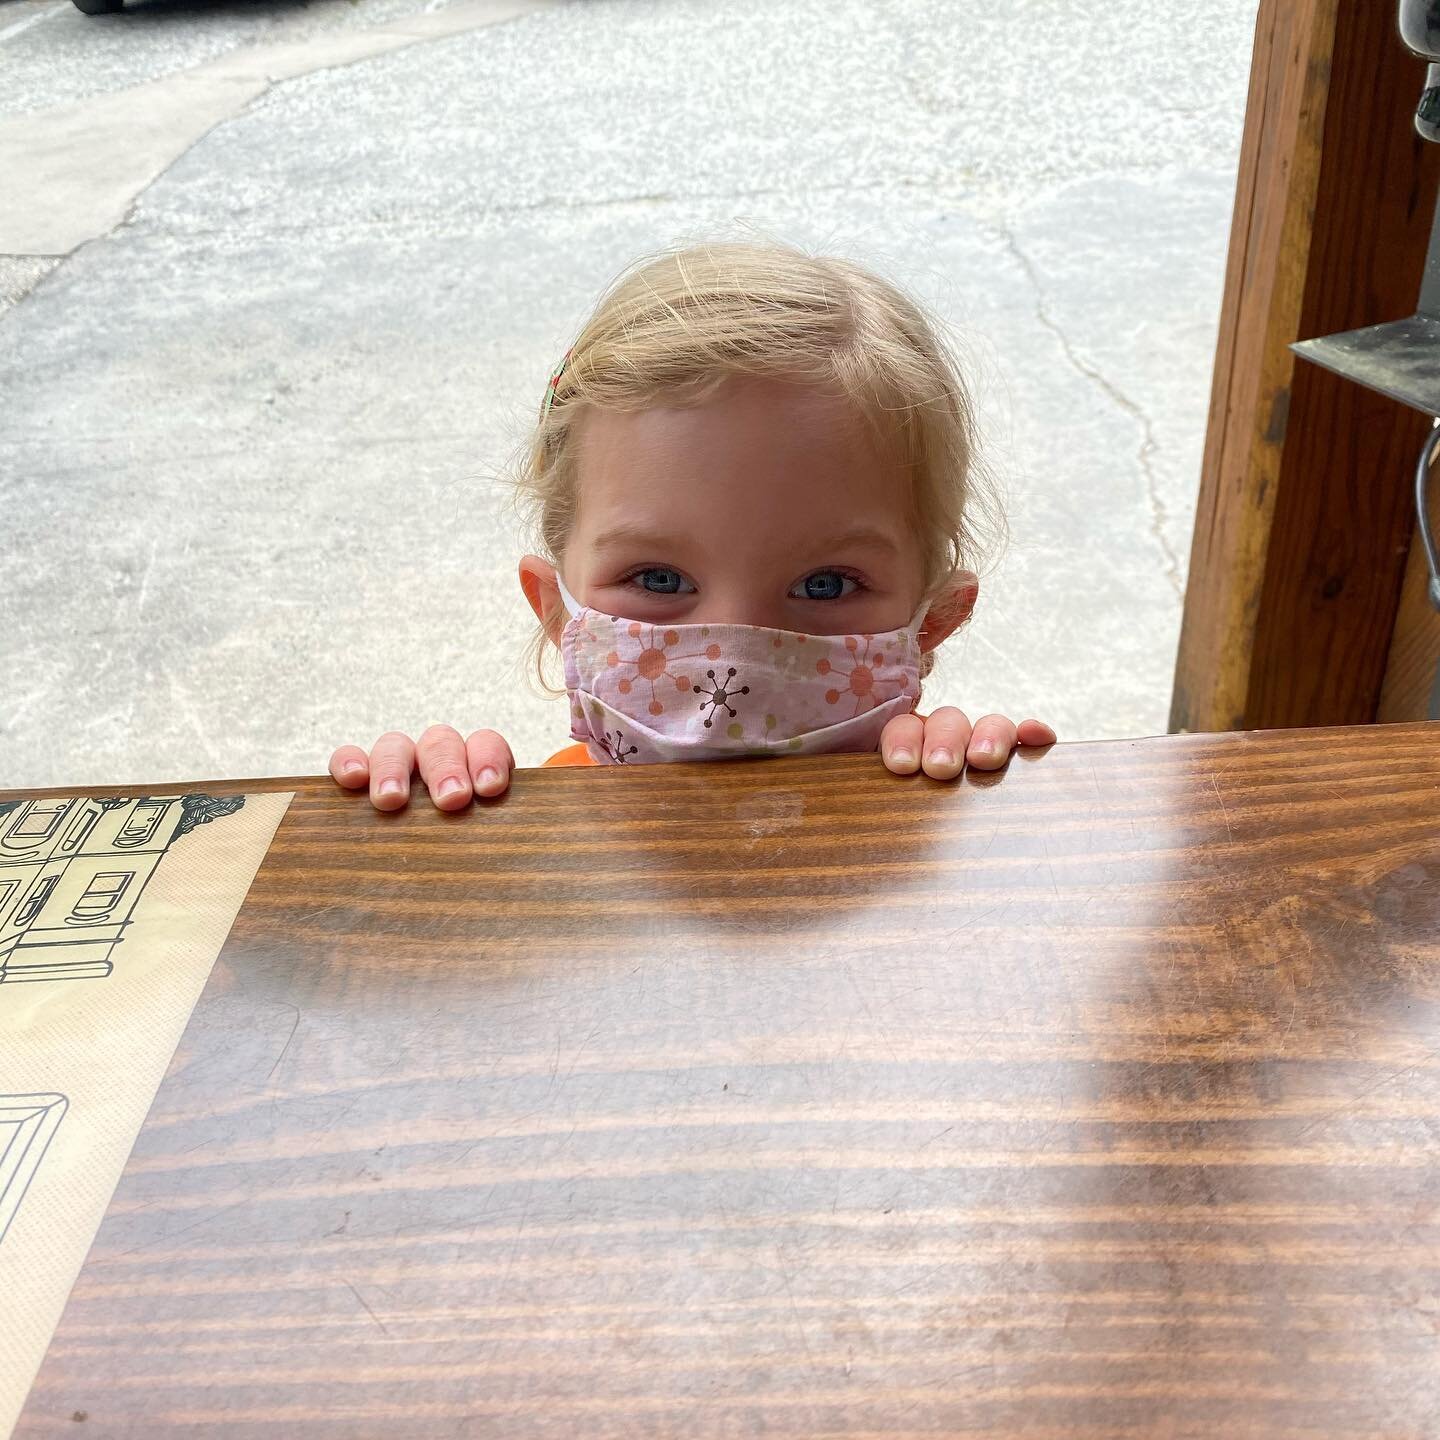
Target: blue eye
827 585
659 581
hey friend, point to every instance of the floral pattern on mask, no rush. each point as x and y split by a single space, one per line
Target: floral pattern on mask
650 664
719 695
866 681
615 747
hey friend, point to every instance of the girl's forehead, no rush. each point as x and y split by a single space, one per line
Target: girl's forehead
769 445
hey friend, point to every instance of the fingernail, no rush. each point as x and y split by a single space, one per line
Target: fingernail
988 750
353 767
902 757
942 757
487 777
453 785
391 787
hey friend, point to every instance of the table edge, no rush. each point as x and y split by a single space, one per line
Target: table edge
1198 740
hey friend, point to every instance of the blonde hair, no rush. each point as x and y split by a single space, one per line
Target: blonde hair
680 322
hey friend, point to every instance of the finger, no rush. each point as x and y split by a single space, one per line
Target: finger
900 743
350 766
441 755
491 762
1035 732
392 762
991 743
947 733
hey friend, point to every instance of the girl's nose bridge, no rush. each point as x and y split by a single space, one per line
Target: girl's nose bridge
732 615
740 602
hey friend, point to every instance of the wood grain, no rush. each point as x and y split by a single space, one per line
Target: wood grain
1304 514
791 1098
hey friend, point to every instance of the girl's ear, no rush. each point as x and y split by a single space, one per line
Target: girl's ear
950 609
537 580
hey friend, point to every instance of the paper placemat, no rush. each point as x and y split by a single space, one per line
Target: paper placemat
112 912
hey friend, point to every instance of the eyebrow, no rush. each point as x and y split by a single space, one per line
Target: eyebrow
863 537
634 535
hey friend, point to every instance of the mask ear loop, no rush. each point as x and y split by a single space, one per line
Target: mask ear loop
572 605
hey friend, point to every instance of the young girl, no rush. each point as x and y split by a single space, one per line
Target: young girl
753 478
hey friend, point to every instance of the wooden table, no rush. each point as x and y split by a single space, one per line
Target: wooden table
791 1098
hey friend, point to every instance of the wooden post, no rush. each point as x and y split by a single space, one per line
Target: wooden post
1305 513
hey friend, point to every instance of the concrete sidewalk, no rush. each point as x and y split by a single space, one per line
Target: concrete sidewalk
285 282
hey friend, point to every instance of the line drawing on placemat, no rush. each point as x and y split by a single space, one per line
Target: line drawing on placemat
27 1125
73 869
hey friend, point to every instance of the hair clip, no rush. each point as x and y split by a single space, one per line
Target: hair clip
553 385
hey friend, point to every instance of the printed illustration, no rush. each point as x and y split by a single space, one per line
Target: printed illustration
72 870
719 694
27 1125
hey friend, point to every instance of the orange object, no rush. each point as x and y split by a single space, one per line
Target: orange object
575 754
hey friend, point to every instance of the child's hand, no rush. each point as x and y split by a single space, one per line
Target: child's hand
452 769
943 742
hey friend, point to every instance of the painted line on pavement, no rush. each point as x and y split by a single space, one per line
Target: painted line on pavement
72 173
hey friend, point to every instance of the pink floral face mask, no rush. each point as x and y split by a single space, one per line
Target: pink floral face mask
643 693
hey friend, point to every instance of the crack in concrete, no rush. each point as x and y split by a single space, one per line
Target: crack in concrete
1159 515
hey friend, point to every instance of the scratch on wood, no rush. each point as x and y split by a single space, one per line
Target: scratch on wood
1229 833
366 1308
286 1046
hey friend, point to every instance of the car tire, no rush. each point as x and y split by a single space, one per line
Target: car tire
99 7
